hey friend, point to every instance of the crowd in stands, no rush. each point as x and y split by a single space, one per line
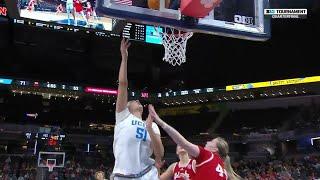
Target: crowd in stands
76 171
25 168
17 168
307 168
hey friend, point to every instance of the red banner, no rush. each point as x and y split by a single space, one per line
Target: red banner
100 90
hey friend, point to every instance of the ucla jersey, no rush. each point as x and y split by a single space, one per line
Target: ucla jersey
132 144
69 5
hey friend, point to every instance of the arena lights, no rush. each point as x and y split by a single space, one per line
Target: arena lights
45 95
204 133
185 101
33 115
188 92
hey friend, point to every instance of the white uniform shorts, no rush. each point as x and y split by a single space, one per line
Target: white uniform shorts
151 175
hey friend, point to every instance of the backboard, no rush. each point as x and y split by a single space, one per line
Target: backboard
238 19
51 159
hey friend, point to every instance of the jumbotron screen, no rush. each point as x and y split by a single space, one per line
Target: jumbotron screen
83 14
67 12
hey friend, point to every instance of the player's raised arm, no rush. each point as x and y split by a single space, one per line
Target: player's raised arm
168 174
192 149
155 137
122 98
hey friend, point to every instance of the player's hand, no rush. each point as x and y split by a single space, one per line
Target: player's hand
159 164
185 176
216 3
149 122
125 44
153 113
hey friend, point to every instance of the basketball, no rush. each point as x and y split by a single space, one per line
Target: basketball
154 4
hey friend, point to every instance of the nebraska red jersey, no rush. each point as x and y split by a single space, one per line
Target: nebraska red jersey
31 4
184 172
209 166
89 10
77 5
59 8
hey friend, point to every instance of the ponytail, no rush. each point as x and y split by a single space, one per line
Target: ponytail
223 150
231 174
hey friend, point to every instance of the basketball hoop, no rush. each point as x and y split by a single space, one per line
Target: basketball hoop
51 163
175 44
50 167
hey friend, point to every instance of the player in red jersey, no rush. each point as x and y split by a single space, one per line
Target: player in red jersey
59 9
78 8
213 161
31 5
90 11
182 170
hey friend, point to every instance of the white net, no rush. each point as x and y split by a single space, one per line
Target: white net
175 44
50 167
51 164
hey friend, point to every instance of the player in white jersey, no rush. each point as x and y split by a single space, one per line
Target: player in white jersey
134 139
70 10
